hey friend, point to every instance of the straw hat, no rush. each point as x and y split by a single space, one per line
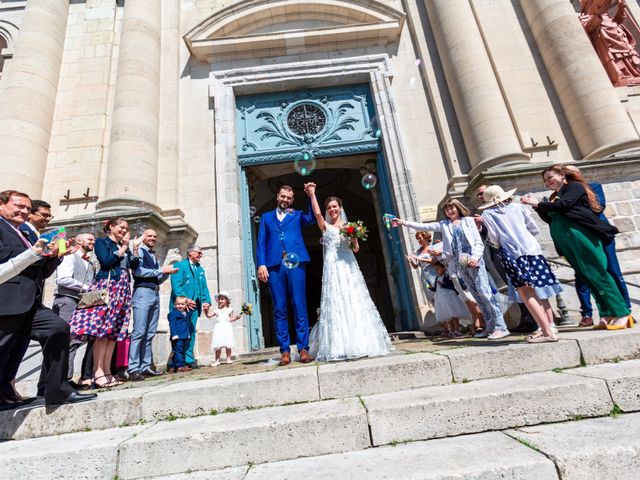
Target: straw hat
224 294
495 195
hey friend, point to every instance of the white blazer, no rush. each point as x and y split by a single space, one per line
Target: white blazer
445 227
16 265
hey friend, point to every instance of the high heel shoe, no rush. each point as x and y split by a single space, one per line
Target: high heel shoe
628 324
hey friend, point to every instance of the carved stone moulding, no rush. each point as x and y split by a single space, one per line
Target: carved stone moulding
267 28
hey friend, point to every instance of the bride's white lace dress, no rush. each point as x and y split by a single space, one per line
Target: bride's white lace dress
349 325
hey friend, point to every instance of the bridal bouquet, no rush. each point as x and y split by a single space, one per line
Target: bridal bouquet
353 230
246 309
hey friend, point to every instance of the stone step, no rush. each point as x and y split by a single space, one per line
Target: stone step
602 448
159 400
271 434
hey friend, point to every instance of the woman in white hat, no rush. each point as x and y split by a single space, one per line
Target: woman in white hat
511 230
222 330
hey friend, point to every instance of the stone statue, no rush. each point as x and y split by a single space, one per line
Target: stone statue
613 42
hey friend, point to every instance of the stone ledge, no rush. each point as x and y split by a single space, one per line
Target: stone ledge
200 397
506 359
379 375
623 380
602 448
495 404
270 434
444 459
604 346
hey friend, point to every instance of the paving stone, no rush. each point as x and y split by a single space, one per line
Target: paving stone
505 359
623 379
386 374
200 397
601 448
241 438
443 459
111 409
484 405
87 455
601 346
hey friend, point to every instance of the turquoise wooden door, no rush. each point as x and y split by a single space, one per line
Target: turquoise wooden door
305 126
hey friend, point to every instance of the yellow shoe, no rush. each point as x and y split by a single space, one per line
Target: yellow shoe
627 324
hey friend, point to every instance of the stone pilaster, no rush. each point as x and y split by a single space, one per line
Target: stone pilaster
132 169
488 132
598 121
27 102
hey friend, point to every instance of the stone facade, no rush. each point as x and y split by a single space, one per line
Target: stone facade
132 104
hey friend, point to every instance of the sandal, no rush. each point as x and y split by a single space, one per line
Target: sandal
628 323
536 334
543 339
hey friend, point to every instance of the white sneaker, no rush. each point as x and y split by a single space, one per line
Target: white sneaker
229 361
216 363
498 334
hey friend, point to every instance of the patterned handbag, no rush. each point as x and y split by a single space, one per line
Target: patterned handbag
95 298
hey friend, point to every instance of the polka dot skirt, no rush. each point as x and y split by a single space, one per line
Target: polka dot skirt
531 270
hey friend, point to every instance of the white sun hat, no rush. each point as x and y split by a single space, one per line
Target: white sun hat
495 195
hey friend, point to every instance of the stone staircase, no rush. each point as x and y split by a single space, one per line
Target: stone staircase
469 410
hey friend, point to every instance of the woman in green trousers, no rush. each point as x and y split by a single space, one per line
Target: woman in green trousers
578 234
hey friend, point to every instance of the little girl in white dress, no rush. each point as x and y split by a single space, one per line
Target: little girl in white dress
223 330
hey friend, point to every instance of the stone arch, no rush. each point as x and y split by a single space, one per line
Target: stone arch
8 34
269 28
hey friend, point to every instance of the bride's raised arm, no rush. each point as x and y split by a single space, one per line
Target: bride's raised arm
310 190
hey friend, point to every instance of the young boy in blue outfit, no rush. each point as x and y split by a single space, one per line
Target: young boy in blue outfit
179 328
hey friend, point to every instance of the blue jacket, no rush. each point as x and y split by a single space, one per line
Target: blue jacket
106 251
178 324
148 273
276 237
189 281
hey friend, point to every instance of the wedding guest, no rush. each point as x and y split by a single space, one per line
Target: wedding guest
108 323
222 330
147 279
579 234
180 333
449 308
463 248
22 315
38 220
73 277
494 267
512 231
424 261
613 265
190 281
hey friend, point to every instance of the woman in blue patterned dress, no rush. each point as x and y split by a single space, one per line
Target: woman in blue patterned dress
107 324
463 249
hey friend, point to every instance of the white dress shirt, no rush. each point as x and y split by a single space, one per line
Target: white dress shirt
64 273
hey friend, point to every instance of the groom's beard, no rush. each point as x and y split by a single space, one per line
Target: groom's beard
284 205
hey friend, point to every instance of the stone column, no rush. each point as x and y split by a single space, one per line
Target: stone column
488 132
132 168
597 119
28 95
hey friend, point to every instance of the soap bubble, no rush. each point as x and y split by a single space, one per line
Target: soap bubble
418 62
369 181
291 260
252 211
412 82
305 164
257 219
378 133
322 240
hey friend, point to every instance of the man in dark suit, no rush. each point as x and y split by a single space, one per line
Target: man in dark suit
22 315
37 221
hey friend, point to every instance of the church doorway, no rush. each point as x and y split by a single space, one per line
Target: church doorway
334 177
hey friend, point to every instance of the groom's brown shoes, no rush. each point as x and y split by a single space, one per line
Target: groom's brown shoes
285 359
305 357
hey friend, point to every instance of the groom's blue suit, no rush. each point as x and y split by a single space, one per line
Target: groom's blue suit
275 238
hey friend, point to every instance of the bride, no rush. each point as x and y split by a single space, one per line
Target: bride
349 325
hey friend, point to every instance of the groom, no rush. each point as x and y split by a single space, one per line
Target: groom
280 234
